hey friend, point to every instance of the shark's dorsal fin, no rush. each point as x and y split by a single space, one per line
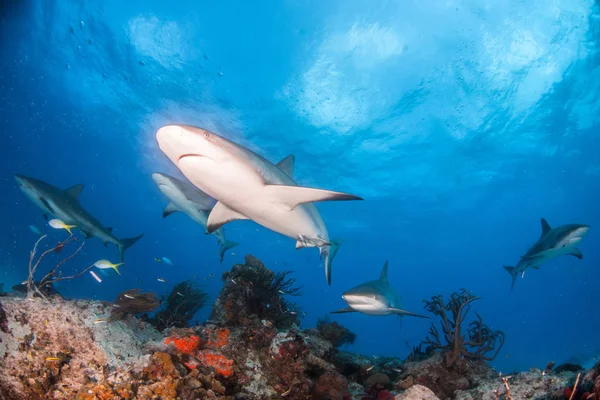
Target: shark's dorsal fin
384 273
545 227
220 215
75 191
287 165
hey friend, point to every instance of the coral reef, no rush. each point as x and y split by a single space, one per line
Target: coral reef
253 293
3 320
55 274
133 301
180 306
455 346
335 333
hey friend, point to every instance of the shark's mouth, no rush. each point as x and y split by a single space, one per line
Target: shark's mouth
192 155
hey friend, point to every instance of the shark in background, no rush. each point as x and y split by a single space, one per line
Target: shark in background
375 298
248 186
552 243
185 197
64 205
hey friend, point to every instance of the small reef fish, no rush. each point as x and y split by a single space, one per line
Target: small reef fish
100 321
96 277
35 230
370 368
58 224
286 392
165 259
180 294
129 296
162 280
282 292
105 264
52 359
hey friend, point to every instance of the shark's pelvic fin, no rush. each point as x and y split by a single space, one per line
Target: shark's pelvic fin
287 165
513 273
220 215
343 311
408 313
75 191
575 253
124 244
304 241
224 247
545 227
288 197
384 273
170 209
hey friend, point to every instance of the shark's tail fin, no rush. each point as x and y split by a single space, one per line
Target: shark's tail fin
513 273
124 244
224 247
330 252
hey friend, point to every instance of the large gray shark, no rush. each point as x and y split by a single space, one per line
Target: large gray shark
552 243
64 205
191 201
248 186
375 298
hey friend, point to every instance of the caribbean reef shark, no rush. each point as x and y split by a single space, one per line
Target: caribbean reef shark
64 205
375 298
248 186
191 201
552 243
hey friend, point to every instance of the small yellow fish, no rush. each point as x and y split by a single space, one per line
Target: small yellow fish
99 321
105 264
286 392
370 368
52 359
157 259
58 224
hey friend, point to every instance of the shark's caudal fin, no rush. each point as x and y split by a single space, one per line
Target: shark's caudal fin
329 255
124 244
408 313
343 311
224 247
513 273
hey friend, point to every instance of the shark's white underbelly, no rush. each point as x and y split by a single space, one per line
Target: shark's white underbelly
243 191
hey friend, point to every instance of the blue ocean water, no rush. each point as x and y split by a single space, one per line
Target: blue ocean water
460 123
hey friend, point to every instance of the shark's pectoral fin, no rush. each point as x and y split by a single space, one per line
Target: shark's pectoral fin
287 165
408 313
575 253
220 215
288 197
86 235
304 241
343 311
170 209
535 267
105 244
75 191
45 216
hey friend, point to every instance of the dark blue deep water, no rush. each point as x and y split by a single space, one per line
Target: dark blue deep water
461 123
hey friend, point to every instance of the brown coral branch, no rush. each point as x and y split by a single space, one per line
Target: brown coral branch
575 387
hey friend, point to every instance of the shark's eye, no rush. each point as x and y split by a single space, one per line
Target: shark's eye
205 134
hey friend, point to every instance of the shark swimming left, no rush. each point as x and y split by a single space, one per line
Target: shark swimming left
248 186
64 205
375 298
552 243
190 200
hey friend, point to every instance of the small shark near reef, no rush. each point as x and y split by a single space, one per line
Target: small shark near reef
552 243
64 205
375 298
191 201
248 186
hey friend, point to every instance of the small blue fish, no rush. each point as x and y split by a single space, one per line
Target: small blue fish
165 259
35 230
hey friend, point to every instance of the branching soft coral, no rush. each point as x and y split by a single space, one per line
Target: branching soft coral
480 339
180 306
